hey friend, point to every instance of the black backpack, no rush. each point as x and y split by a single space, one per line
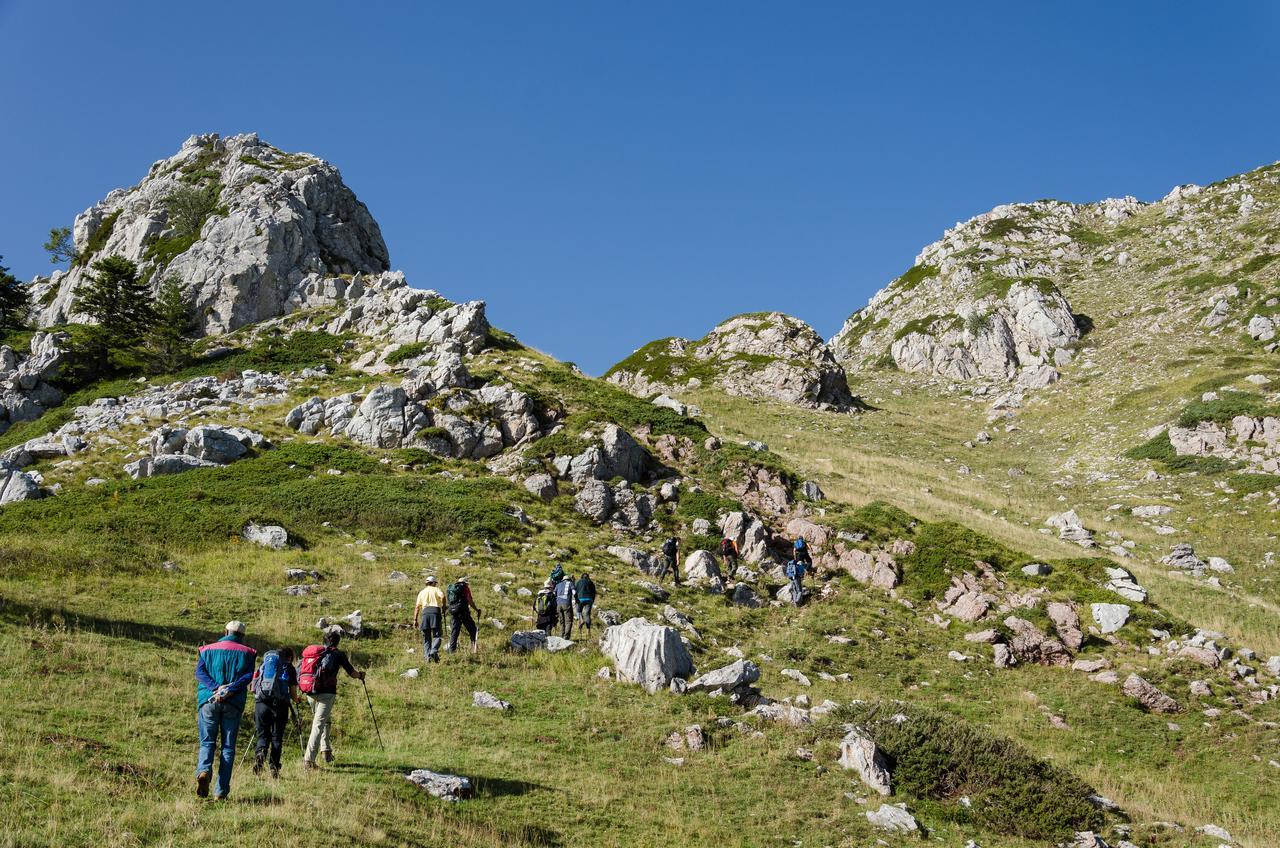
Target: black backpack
669 547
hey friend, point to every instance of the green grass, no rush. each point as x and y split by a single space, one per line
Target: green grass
406 352
1227 406
1247 484
1160 450
925 324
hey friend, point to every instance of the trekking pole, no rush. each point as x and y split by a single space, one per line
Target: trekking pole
373 716
297 726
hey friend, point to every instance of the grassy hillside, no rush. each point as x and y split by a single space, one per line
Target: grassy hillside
97 646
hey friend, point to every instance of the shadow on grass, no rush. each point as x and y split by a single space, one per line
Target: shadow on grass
162 635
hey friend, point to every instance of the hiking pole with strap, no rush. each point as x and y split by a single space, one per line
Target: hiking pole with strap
297 726
372 715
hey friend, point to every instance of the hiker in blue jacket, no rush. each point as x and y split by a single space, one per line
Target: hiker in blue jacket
564 592
795 571
223 671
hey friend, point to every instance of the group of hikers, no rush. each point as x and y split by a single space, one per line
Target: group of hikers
227 670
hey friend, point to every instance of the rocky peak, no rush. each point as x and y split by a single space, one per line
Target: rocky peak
248 229
763 354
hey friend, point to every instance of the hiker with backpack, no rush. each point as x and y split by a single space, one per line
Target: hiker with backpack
318 678
275 689
544 607
428 616
729 550
458 597
224 670
557 574
800 552
586 592
564 605
670 560
795 570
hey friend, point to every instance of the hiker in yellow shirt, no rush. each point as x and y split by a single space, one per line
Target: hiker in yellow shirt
428 617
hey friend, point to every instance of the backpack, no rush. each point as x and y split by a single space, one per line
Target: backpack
542 603
795 569
800 545
669 547
309 669
454 597
727 546
267 685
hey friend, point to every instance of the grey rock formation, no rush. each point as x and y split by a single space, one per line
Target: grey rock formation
17 485
1029 644
1066 622
25 391
645 562
279 224
648 654
859 753
765 355
541 486
1110 617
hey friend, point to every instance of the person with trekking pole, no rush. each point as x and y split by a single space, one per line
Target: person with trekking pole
275 688
564 605
428 616
318 678
670 560
224 670
585 589
544 607
458 597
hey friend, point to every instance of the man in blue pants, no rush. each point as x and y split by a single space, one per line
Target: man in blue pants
223 672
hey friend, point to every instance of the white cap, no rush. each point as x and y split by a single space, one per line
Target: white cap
235 627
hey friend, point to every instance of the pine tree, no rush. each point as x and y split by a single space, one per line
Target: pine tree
169 343
59 245
120 305
15 301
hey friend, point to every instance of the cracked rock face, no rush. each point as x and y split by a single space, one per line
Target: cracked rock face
280 223
764 355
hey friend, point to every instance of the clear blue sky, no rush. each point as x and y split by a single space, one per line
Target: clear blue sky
607 173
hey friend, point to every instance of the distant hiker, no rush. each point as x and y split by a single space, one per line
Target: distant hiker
800 552
318 678
458 597
564 605
586 591
670 559
795 572
223 672
557 574
428 616
275 688
729 550
544 607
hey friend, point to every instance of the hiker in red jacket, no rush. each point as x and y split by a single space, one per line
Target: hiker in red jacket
323 691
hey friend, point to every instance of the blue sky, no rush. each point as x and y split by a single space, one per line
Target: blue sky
607 173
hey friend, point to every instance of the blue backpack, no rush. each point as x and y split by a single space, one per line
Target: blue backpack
270 681
795 569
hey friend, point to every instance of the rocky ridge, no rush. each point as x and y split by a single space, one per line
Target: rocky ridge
764 355
252 232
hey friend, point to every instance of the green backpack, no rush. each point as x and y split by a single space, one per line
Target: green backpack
454 597
542 603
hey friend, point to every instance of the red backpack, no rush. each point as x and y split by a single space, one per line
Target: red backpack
309 669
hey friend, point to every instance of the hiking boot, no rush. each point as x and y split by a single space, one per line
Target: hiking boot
257 763
202 784
307 765
275 772
328 756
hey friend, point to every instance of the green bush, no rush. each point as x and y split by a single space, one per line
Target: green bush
1226 407
880 521
693 505
405 352
945 549
1247 484
1160 450
940 758
299 349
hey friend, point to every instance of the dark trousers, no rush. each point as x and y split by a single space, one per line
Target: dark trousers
669 564
565 614
432 625
730 566
458 620
272 720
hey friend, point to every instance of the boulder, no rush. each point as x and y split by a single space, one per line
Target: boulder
782 713
17 485
1110 617
1151 698
701 565
743 672
744 596
270 536
645 562
812 491
594 500
1029 644
648 654
489 701
214 444
446 787
1066 622
893 818
544 486
859 753
878 569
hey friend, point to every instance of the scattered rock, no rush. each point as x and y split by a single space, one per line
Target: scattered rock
446 787
647 654
1110 617
270 536
1151 698
489 702
893 818
859 753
